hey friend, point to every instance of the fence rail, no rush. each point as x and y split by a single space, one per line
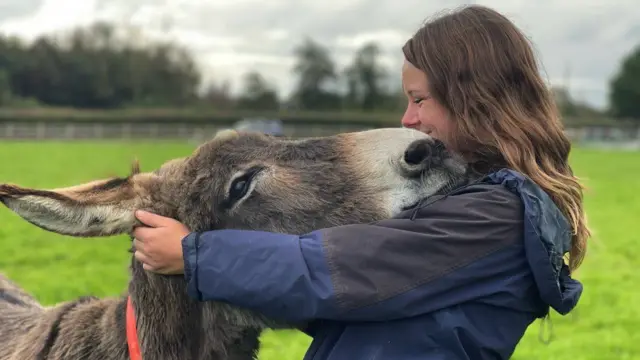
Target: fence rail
59 130
108 130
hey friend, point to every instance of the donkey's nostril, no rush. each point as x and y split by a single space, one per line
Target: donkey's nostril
427 153
417 152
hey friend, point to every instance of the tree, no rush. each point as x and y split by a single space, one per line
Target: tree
12 62
174 76
316 73
257 94
219 95
572 108
624 94
365 78
5 88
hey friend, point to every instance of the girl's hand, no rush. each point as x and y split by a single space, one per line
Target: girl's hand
158 245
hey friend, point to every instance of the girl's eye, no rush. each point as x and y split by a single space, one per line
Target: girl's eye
419 100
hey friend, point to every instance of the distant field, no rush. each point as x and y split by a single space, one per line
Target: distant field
56 268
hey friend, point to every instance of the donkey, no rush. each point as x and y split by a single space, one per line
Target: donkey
235 180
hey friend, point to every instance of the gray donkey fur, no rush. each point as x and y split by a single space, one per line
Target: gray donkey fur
297 186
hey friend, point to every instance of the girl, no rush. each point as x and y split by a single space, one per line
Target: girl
467 274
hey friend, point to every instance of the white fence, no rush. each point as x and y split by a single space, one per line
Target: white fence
110 130
606 136
59 130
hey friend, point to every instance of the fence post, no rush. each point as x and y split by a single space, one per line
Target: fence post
69 131
40 130
126 131
9 131
153 130
98 130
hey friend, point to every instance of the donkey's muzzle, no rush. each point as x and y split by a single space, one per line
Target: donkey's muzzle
426 153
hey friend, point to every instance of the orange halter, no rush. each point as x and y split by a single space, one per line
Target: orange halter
132 332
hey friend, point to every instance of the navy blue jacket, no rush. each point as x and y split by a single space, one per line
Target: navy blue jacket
461 276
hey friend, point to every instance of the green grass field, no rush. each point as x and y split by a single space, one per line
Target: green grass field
56 268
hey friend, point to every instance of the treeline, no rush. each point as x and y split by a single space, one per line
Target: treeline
107 67
95 67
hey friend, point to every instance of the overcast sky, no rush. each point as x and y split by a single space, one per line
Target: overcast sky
581 41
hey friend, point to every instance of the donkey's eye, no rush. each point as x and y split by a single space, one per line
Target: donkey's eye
240 185
239 188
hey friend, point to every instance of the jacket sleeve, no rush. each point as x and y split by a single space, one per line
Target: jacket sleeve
458 248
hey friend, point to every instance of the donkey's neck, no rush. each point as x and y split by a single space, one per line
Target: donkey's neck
171 325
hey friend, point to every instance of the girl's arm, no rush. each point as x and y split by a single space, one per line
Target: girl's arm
459 248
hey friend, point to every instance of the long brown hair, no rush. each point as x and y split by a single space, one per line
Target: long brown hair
482 69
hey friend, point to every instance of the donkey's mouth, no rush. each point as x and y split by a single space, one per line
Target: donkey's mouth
410 206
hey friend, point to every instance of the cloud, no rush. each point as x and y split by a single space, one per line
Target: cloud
49 15
585 39
14 9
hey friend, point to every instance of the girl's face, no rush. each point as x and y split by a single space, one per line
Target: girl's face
423 112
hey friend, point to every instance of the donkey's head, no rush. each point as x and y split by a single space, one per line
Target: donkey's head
256 181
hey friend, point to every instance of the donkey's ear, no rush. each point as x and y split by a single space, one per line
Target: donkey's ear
99 208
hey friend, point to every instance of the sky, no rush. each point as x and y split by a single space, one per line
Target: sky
580 42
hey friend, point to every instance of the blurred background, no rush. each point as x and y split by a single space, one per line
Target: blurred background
87 85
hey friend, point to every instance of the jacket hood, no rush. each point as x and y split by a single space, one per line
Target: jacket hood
547 237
